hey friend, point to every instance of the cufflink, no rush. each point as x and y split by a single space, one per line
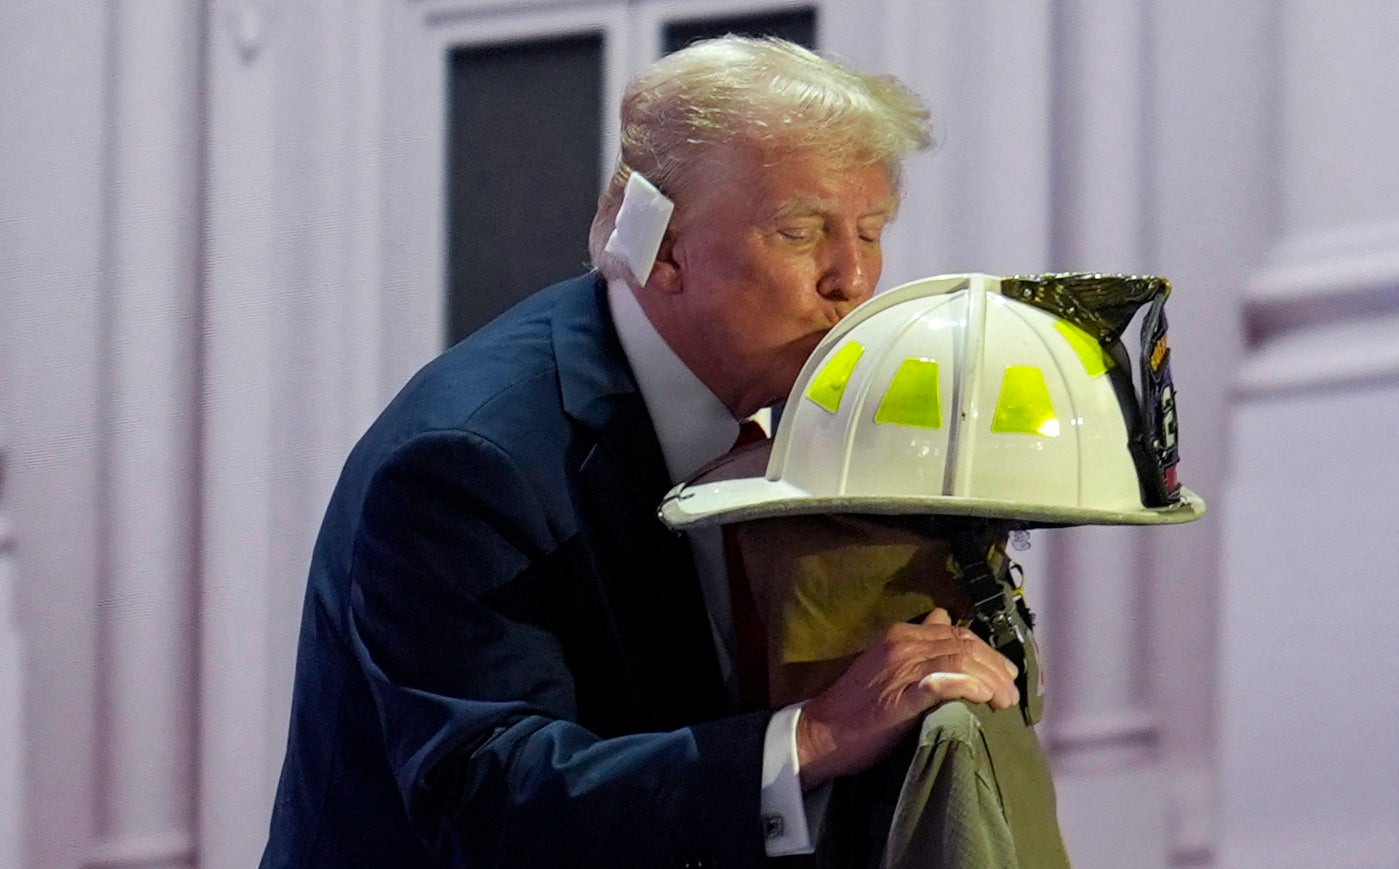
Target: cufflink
772 826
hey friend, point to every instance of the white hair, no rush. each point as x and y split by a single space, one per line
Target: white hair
769 93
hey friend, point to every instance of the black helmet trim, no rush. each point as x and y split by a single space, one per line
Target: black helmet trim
1103 305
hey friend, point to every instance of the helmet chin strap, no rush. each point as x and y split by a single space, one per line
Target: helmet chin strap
641 224
1002 618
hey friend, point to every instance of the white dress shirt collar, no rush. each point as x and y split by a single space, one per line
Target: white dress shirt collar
692 424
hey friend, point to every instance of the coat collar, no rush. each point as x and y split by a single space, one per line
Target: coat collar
596 379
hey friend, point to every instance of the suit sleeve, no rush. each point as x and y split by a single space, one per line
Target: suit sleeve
478 710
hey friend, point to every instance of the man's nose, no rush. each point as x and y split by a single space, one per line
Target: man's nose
849 271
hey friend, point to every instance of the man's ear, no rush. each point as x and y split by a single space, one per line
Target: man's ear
666 274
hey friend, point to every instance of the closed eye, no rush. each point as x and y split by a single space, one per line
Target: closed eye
797 233
872 231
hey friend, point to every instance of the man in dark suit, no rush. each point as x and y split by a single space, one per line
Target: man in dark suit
505 659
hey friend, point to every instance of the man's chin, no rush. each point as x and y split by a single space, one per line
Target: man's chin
808 343
788 362
798 353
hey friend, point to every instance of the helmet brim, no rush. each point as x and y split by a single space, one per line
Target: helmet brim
735 488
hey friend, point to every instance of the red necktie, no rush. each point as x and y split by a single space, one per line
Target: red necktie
752 664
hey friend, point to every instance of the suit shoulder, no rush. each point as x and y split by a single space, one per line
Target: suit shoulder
506 370
502 383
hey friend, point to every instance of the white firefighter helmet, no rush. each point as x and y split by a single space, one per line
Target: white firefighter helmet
970 395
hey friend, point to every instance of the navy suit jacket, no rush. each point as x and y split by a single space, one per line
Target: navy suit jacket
505 658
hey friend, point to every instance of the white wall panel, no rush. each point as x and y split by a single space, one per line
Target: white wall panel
1104 736
1309 746
12 662
323 296
53 65
293 318
980 201
245 296
1335 254
1340 99
1211 209
1309 752
145 763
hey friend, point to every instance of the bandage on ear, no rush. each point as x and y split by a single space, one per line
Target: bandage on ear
640 226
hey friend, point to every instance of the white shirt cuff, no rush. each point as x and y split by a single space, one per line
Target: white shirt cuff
789 816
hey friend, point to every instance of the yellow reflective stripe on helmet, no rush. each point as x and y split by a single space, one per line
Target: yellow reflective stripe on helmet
1025 406
913 397
1094 358
828 386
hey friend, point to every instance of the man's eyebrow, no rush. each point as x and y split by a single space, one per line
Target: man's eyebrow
809 208
886 208
802 208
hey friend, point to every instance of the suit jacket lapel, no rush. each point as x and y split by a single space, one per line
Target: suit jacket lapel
647 571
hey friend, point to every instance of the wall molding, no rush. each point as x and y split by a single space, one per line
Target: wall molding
1323 312
1351 353
175 848
1322 277
1333 263
1131 729
146 644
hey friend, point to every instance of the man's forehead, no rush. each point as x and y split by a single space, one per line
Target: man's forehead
816 184
768 184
